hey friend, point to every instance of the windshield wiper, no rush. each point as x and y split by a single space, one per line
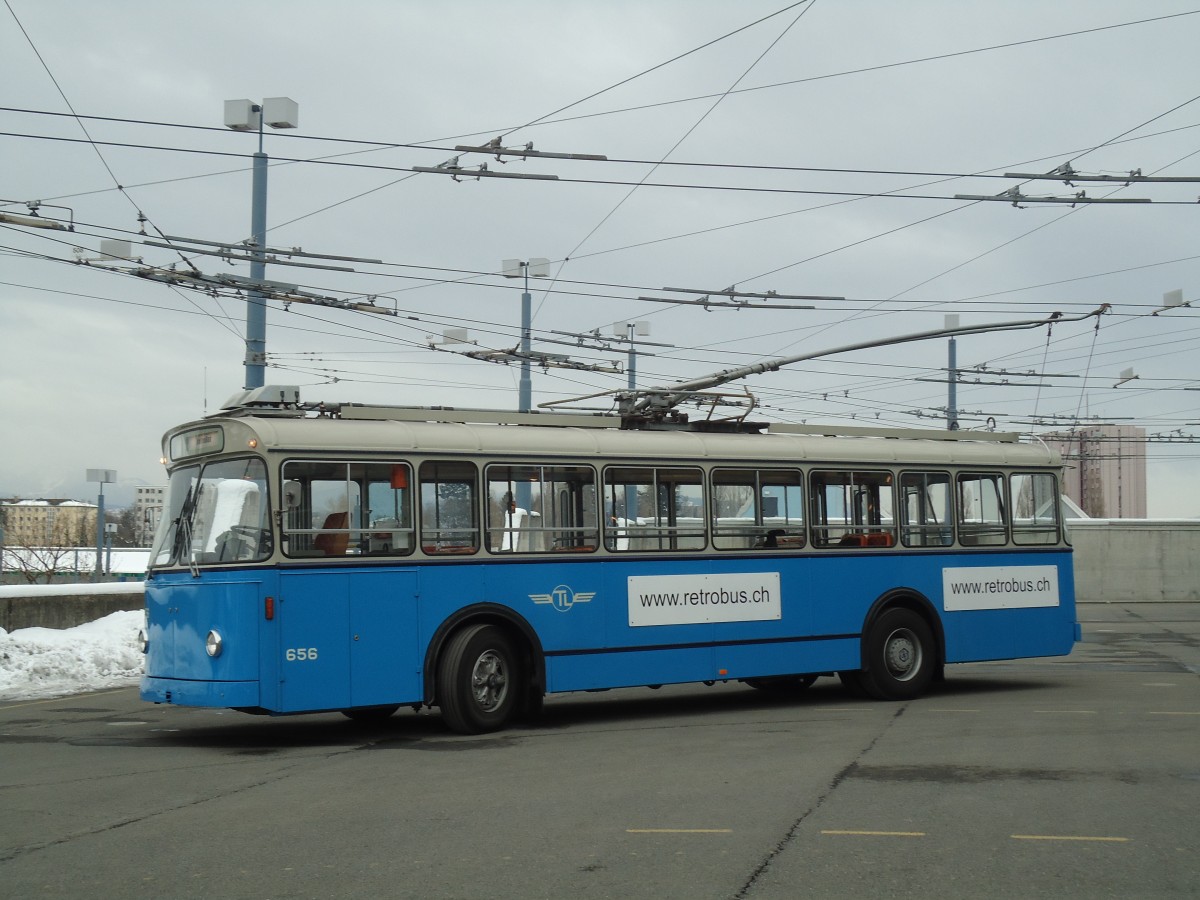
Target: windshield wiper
183 530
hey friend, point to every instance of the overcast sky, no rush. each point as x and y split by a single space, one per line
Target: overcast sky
748 106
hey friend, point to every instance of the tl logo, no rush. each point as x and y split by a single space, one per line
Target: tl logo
562 598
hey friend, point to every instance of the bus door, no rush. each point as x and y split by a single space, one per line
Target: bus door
347 639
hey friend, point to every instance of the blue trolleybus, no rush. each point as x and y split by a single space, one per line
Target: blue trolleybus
358 559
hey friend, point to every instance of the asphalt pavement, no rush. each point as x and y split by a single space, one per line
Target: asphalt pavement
1071 777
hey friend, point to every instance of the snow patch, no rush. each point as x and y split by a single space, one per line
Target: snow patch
36 663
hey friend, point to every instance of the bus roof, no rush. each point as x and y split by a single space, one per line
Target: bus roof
384 434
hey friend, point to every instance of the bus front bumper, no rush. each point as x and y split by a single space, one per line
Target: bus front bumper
179 692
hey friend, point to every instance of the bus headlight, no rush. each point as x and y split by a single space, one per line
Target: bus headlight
212 644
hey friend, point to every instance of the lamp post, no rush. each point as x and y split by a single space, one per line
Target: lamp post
103 476
243 115
538 267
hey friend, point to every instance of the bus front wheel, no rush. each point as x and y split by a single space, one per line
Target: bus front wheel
479 680
900 656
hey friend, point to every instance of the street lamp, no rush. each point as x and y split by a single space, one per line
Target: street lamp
103 476
243 115
538 267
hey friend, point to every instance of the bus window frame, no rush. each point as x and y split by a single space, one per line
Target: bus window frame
981 534
581 538
944 532
858 531
759 535
634 530
1056 532
436 540
363 535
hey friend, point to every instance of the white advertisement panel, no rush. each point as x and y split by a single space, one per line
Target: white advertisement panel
999 587
695 599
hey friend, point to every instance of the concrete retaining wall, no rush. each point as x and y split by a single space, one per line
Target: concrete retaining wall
1136 560
64 605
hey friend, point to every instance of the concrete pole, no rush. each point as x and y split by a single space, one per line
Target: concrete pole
99 535
525 392
524 496
256 308
631 366
952 398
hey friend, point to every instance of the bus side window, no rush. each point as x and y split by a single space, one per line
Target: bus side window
1035 505
322 508
654 508
981 510
852 509
925 519
756 509
541 509
449 507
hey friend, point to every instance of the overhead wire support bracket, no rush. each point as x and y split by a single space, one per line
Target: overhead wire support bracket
708 304
277 251
1068 176
493 147
458 173
738 299
605 342
228 254
1014 196
272 290
769 295
34 219
545 360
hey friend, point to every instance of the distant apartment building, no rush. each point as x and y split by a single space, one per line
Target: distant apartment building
1105 469
49 523
147 510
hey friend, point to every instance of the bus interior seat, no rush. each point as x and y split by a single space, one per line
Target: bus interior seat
331 542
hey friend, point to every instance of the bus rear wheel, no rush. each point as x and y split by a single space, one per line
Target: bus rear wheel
900 657
479 680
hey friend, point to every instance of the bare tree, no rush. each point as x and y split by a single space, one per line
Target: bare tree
41 562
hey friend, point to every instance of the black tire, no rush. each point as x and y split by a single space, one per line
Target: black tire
370 714
900 656
853 683
479 680
532 709
782 685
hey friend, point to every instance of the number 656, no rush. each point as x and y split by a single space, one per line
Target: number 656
300 654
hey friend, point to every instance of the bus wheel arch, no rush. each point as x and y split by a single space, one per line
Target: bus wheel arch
529 665
902 649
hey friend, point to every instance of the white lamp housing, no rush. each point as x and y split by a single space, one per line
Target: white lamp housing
240 115
281 112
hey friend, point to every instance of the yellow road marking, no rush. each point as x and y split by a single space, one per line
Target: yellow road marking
877 833
1068 837
679 831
